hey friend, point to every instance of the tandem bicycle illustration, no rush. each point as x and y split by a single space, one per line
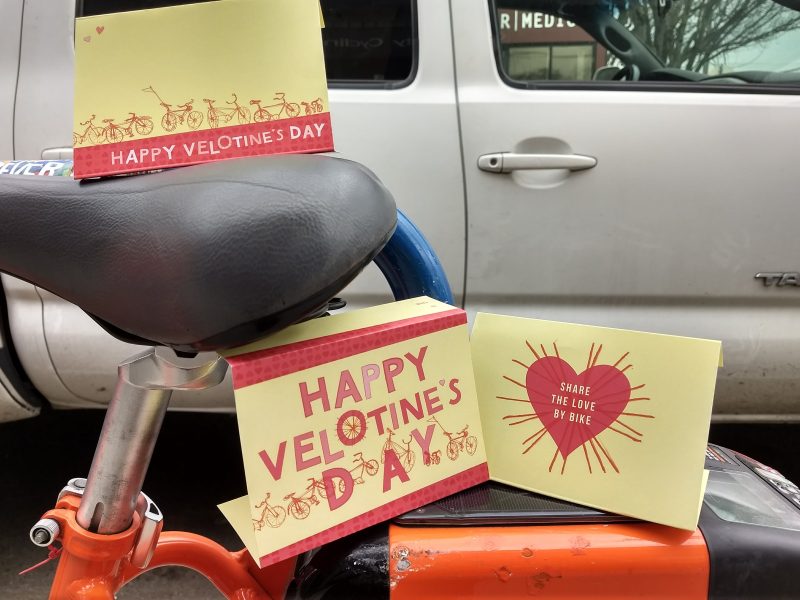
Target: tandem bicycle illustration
222 114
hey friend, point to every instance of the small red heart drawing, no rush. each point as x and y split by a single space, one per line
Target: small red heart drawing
99 29
610 392
88 38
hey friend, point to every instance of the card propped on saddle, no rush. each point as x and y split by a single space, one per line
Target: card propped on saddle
188 84
612 419
353 419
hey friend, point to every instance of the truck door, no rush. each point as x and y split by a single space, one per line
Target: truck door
632 164
10 32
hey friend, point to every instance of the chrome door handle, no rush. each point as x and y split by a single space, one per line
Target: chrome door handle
505 162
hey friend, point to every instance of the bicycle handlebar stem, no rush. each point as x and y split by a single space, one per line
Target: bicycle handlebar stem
132 423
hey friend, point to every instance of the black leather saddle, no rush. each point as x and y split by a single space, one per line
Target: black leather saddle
198 258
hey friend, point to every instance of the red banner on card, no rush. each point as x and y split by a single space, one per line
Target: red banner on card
310 133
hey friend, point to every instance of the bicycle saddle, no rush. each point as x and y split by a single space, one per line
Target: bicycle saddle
198 258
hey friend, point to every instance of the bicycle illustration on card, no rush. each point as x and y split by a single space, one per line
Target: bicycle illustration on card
274 515
223 114
115 133
315 106
363 467
431 458
458 442
273 112
271 515
316 486
370 467
404 452
299 508
113 130
172 118
92 134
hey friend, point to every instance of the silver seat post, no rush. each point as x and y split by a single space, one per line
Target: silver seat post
144 385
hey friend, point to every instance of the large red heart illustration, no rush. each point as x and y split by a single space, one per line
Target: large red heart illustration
575 408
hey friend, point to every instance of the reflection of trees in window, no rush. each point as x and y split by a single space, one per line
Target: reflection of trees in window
694 34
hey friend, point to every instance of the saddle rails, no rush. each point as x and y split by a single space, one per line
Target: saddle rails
196 260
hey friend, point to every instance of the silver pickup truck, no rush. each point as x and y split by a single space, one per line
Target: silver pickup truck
621 163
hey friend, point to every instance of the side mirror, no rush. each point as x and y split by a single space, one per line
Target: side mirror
605 73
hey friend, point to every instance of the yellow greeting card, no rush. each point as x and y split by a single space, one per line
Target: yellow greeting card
353 419
617 420
198 82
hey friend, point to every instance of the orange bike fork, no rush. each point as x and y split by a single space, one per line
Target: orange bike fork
110 532
96 566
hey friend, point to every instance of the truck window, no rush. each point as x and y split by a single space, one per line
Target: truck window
703 45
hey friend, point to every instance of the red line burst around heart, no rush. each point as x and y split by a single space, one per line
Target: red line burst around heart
550 369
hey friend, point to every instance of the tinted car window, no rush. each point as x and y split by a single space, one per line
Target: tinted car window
369 41
365 42
87 8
